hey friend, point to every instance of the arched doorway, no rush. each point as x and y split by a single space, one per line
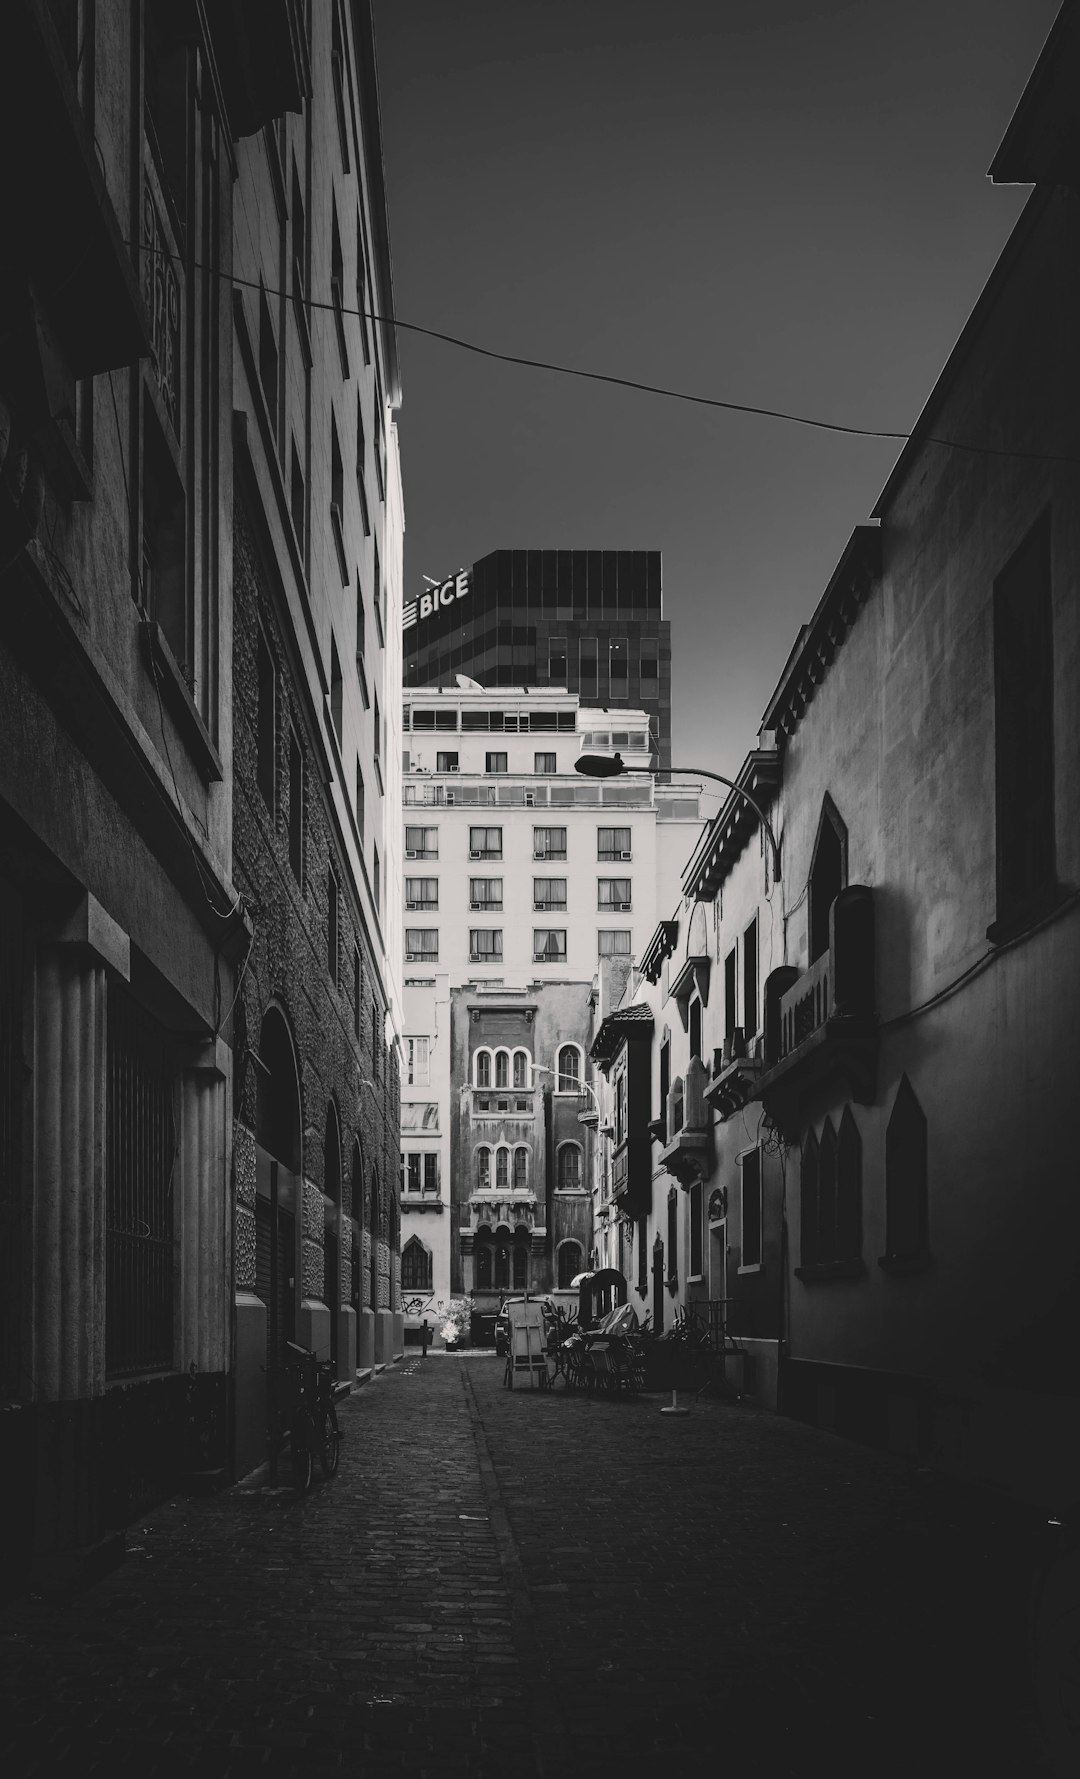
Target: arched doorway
331 1228
278 1168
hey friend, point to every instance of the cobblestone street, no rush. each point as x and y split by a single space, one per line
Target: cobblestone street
504 1582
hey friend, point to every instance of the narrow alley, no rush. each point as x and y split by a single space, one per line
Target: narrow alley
545 1583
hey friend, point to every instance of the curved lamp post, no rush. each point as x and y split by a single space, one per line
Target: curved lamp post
602 1129
611 765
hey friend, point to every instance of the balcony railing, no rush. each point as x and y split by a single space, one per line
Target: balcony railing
806 1006
822 1022
463 793
688 1155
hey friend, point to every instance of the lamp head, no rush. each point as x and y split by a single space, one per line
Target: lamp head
600 765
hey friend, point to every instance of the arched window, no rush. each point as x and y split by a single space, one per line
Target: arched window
502 1170
502 1068
482 1062
808 1202
828 875
570 1167
907 1232
521 1168
483 1170
416 1265
502 1267
521 1068
521 1265
569 1069
569 1264
483 1266
848 1189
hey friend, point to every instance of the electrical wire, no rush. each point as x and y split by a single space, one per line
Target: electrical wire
982 963
566 370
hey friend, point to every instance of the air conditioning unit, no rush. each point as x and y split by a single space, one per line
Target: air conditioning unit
530 799
450 799
626 855
409 854
453 769
477 855
624 907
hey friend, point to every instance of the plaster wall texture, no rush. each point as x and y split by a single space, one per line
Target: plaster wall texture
427 1017
546 1016
341 582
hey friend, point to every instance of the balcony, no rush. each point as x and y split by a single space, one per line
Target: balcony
501 1102
736 1068
689 1154
497 1207
820 1026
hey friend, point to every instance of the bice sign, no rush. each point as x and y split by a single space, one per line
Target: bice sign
444 594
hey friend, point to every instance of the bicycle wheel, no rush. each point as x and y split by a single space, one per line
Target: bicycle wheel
329 1441
300 1448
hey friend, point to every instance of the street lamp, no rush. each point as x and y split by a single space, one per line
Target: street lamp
611 765
603 1130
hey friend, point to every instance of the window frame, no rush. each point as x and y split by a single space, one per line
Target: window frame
758 1265
477 954
485 851
422 956
549 854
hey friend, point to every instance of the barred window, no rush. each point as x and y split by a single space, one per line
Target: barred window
416 1266
570 1167
569 1069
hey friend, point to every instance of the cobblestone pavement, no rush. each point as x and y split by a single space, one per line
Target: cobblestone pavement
528 1582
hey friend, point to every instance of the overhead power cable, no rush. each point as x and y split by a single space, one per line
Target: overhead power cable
568 370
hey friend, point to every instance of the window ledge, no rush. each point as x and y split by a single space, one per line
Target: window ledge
759 1266
1027 914
900 1266
825 1270
176 694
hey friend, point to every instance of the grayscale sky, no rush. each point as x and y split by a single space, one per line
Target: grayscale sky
780 202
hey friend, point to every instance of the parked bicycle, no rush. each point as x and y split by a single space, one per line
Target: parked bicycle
309 1413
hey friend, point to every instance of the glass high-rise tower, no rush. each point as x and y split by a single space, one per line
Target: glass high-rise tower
590 620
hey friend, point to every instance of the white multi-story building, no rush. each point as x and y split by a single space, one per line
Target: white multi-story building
519 875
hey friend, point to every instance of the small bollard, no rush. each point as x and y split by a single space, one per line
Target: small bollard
674 1409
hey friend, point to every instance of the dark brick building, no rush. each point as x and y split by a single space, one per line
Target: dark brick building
590 620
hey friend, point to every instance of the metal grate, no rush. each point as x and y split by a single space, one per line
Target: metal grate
141 1151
